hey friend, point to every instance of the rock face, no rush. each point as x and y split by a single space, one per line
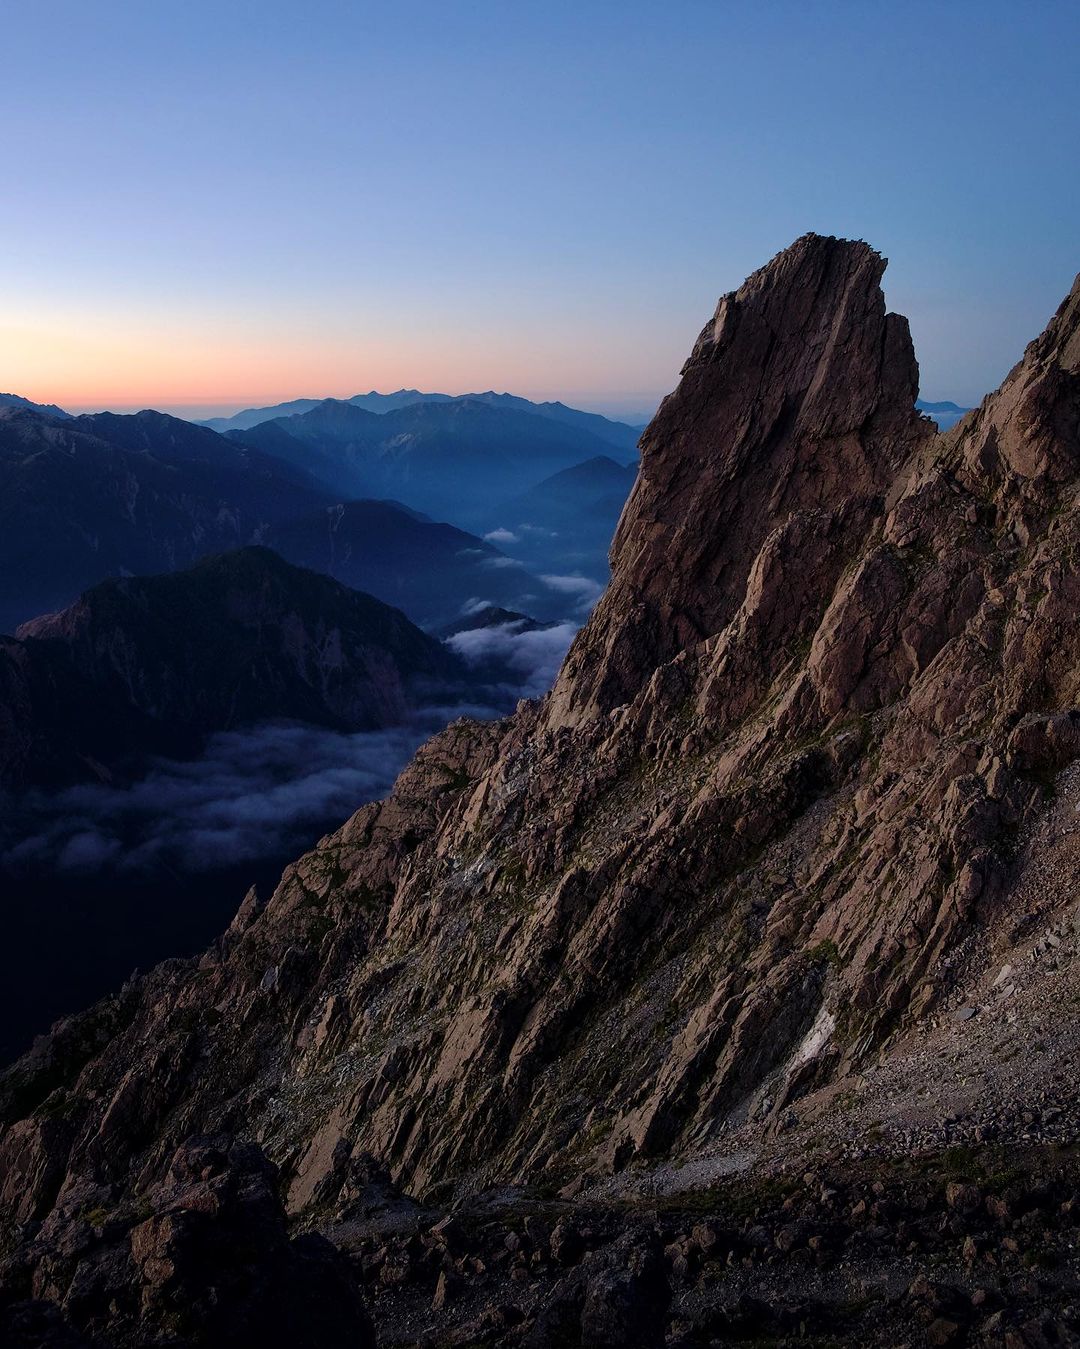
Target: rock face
762 472
742 849
158 663
204 1254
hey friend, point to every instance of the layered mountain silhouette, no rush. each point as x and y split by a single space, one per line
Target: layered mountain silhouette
90 497
370 402
614 433
154 665
670 1009
14 400
454 457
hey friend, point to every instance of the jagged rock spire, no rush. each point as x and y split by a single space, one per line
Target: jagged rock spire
798 395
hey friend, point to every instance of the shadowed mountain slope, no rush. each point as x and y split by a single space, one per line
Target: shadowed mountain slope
105 495
784 807
156 664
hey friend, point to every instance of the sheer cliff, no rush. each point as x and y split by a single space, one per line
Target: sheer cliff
773 815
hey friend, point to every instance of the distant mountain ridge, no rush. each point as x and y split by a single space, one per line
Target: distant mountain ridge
614 433
945 413
141 665
87 498
14 400
945 406
450 458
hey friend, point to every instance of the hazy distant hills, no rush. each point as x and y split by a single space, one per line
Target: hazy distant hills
615 434
76 507
86 498
14 400
451 458
570 515
370 402
575 493
425 567
946 414
154 664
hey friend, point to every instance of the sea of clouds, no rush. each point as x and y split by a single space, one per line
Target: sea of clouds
532 658
264 791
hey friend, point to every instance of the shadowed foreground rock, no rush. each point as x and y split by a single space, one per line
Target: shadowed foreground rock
202 1257
765 885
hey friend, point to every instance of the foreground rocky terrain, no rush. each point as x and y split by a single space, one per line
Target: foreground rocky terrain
727 995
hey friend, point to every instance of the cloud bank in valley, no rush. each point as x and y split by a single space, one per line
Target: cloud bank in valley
533 656
268 790
583 590
272 790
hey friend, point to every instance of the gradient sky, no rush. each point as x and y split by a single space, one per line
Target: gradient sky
209 205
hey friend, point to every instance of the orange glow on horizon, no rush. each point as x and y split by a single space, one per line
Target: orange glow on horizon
78 361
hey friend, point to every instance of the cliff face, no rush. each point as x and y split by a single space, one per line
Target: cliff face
793 414
767 822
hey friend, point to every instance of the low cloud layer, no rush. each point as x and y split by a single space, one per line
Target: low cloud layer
268 791
533 657
265 791
582 589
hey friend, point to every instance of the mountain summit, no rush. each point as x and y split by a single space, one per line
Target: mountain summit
797 810
793 414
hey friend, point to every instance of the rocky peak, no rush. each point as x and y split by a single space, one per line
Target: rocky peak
793 413
819 723
1026 432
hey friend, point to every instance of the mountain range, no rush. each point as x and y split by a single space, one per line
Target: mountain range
453 457
727 994
615 434
86 498
13 400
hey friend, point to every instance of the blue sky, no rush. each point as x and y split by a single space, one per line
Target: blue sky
215 204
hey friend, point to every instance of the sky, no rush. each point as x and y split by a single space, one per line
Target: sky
214 205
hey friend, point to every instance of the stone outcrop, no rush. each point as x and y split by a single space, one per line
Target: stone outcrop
202 1254
739 852
760 475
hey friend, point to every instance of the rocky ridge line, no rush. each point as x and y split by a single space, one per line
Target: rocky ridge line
736 856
